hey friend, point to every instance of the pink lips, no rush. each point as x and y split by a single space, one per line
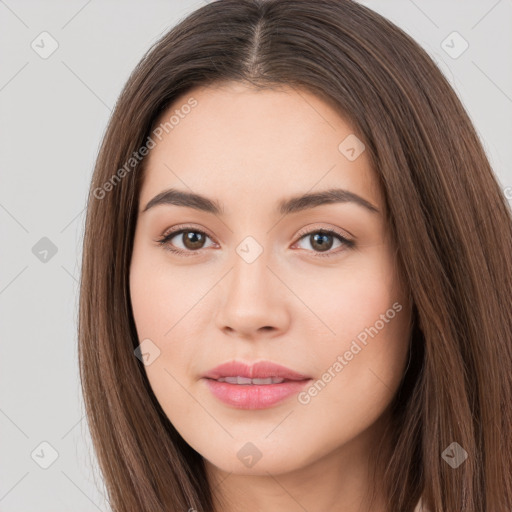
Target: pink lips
254 396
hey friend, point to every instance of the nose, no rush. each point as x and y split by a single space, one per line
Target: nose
252 301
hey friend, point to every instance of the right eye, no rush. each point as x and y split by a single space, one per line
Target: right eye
192 239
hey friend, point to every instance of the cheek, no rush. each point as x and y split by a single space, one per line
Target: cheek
149 301
363 362
167 309
351 297
159 311
162 298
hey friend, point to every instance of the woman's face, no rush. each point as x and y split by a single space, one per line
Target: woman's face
256 281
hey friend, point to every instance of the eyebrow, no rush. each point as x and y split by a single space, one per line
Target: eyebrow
285 207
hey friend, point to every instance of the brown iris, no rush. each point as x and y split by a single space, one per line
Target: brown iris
193 239
318 240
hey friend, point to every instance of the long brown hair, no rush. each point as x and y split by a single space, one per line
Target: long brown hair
450 221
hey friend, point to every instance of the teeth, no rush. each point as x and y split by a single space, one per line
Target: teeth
238 380
245 380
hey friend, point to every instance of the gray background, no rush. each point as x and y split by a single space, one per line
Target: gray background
53 115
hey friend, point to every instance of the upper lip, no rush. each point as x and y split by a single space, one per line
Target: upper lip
258 370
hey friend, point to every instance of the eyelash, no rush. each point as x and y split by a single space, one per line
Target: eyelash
164 241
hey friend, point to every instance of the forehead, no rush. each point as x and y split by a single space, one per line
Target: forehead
254 142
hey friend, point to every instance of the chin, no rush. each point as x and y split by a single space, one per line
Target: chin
274 463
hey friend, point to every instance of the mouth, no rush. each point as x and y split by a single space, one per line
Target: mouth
258 386
254 395
245 381
259 373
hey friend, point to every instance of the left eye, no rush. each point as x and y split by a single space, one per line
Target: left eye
193 240
322 240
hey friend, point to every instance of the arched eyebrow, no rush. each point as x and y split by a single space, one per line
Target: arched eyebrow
285 207
333 195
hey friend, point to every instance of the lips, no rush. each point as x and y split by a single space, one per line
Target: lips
259 386
257 372
246 380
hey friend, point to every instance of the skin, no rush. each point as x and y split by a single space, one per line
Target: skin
249 149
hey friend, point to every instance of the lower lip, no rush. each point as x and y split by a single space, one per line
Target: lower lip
254 396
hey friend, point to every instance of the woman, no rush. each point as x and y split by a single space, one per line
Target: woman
297 275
